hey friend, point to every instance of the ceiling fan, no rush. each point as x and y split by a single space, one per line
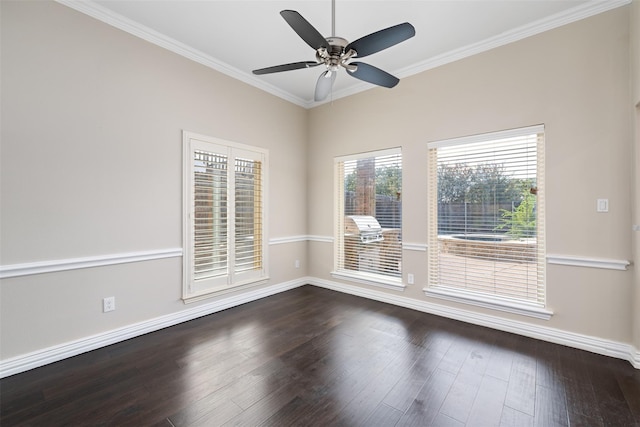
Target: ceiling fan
335 52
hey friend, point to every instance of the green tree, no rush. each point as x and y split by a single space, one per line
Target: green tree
454 182
520 222
484 183
388 181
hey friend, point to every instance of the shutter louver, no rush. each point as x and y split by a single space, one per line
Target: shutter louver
486 207
248 215
210 215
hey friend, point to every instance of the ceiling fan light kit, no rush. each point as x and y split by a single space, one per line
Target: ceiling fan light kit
335 52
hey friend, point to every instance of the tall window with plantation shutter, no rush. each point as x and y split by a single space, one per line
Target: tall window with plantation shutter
368 233
224 233
486 218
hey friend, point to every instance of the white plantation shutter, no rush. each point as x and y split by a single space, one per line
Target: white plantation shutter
369 216
486 210
209 215
248 216
224 215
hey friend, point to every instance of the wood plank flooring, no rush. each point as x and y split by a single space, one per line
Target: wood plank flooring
314 357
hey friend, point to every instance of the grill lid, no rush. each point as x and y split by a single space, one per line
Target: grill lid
367 227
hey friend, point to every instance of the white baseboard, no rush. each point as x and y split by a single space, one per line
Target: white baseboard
49 355
635 358
584 342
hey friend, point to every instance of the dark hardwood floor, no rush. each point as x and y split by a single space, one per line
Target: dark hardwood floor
314 357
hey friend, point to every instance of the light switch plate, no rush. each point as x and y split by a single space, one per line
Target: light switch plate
603 205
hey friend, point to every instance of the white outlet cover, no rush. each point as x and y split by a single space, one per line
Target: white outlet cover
108 304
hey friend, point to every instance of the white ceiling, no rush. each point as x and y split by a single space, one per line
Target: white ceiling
235 36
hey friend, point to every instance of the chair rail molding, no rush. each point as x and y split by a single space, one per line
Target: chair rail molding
579 261
40 267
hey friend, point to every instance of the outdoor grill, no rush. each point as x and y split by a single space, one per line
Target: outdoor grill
362 242
366 228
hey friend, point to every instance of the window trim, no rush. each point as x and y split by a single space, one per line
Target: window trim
373 279
482 300
496 302
192 141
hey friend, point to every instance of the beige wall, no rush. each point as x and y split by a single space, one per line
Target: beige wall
635 104
92 165
573 79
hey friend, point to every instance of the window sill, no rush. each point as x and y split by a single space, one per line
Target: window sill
494 303
188 299
370 279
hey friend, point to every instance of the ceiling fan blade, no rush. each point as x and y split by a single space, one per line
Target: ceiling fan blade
324 85
305 30
380 40
286 67
371 74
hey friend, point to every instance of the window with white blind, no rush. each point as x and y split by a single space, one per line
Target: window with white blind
224 237
486 220
368 234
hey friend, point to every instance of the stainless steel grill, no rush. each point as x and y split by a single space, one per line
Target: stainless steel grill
366 228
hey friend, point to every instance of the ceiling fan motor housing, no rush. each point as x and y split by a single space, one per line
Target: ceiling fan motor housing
334 55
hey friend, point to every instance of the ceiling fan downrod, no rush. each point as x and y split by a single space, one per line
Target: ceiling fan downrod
333 18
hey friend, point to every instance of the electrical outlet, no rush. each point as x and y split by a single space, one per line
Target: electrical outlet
297 263
108 304
410 278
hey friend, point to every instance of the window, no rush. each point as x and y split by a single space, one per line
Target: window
368 234
486 228
224 236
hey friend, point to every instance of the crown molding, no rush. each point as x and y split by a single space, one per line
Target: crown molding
549 23
90 8
540 26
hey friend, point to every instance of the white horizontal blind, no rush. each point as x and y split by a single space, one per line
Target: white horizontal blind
248 215
209 215
369 223
486 206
